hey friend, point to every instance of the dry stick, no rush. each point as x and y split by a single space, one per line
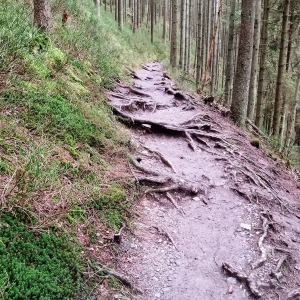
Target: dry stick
190 141
243 277
179 208
6 187
167 234
263 250
154 108
120 277
255 128
136 179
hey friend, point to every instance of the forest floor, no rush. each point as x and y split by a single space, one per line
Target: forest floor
217 218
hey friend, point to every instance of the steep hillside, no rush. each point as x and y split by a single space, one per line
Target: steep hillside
64 188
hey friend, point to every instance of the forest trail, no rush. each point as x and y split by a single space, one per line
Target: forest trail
218 218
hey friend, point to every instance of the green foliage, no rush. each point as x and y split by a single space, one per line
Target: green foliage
17 35
53 115
36 266
110 204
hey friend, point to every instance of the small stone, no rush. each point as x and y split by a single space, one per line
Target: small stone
246 226
297 267
232 280
166 289
157 295
196 199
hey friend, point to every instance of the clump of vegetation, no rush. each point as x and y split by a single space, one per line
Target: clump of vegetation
59 142
110 204
36 265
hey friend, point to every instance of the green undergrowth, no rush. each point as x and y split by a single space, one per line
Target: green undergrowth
60 145
36 265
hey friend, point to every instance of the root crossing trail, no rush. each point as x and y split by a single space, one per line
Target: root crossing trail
217 219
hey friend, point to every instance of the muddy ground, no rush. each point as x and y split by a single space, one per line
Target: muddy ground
217 218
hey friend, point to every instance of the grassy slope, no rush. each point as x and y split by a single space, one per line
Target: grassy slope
62 155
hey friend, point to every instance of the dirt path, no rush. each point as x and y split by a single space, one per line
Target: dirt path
218 219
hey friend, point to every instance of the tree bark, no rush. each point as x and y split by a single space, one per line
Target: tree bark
281 68
120 14
199 43
254 67
211 49
182 33
240 91
42 14
262 63
173 52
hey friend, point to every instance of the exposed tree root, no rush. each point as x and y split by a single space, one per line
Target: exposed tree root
179 208
293 294
154 179
163 159
145 170
184 187
190 141
249 280
263 250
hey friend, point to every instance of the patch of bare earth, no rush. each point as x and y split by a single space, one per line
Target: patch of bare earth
217 219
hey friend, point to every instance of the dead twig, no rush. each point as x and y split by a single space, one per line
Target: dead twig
130 168
167 235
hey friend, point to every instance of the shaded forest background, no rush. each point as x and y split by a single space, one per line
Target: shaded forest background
206 38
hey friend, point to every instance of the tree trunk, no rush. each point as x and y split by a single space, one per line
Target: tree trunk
240 91
182 33
42 14
97 3
262 63
120 14
199 43
164 20
211 49
173 52
291 125
281 68
254 67
152 19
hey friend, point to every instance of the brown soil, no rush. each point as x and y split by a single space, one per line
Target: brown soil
217 218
